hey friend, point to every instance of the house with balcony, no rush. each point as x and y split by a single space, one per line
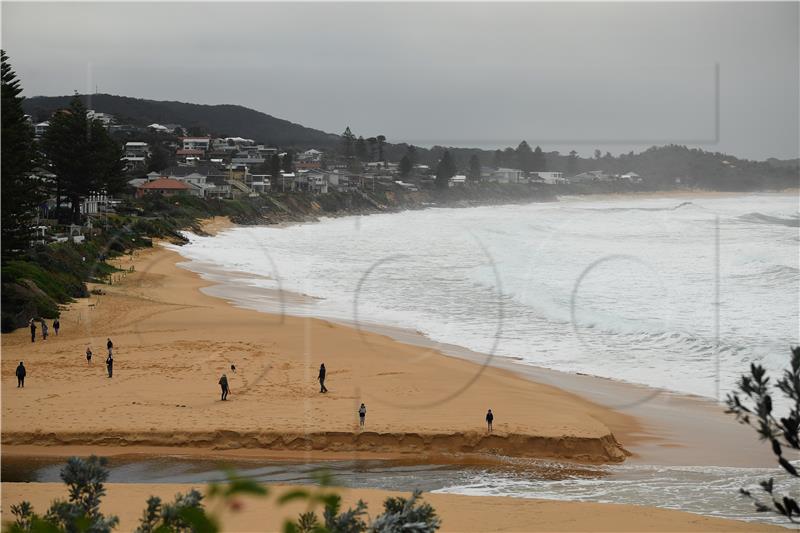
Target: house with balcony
196 143
136 154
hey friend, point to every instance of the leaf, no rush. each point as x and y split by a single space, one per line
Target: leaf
292 495
788 466
199 521
245 486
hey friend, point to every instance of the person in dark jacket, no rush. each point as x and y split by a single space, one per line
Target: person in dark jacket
489 420
110 365
21 372
321 378
88 355
33 331
56 326
110 346
223 382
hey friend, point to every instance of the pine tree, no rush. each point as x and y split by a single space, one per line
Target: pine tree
381 141
539 161
275 171
572 163
83 155
21 193
348 141
405 166
474 172
445 170
525 157
361 149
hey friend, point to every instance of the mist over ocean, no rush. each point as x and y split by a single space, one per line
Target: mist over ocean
617 287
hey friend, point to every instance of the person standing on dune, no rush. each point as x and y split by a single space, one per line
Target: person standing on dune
44 330
223 382
56 326
88 355
110 346
33 331
321 378
362 415
110 365
489 420
21 373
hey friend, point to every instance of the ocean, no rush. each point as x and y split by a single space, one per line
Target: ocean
675 292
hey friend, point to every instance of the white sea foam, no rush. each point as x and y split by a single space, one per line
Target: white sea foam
622 288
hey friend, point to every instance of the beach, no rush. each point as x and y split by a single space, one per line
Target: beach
172 343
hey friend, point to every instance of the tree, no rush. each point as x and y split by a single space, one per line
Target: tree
597 153
539 163
21 192
497 159
405 166
524 156
474 172
572 163
361 149
83 155
445 170
348 141
755 409
159 159
373 142
275 171
381 140
287 164
411 152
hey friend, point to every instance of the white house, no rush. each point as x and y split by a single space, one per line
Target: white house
104 118
196 143
40 129
633 177
136 153
551 178
506 175
458 179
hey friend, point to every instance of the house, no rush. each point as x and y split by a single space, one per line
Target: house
164 187
136 153
308 165
189 154
104 118
310 155
551 178
506 175
632 177
196 143
458 179
313 181
158 128
592 175
40 129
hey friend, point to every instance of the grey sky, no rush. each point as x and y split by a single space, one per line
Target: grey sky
606 75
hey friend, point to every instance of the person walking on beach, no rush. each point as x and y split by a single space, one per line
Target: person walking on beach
321 378
110 346
362 414
21 373
110 365
33 331
489 420
44 330
56 326
223 382
88 355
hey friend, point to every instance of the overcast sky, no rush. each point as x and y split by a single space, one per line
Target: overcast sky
608 75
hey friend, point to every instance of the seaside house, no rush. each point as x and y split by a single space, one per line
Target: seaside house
506 175
457 180
40 129
196 143
104 118
164 187
632 177
136 154
551 178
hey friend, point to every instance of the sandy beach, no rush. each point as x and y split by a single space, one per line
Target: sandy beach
458 513
172 343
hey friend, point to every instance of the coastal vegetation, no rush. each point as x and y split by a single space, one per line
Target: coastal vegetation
85 480
753 405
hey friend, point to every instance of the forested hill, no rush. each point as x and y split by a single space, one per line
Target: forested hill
227 120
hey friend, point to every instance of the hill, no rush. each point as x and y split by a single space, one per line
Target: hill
222 120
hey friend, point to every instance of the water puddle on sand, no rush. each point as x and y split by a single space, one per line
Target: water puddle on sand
711 491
